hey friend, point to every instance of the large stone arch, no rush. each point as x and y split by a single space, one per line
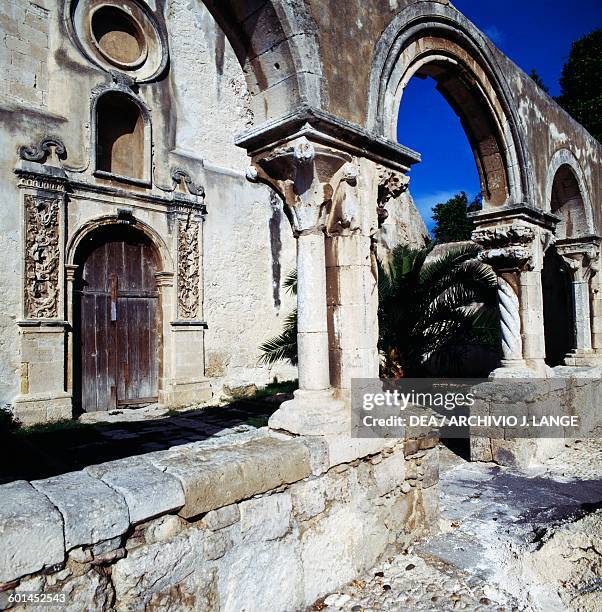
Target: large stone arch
564 167
277 46
435 40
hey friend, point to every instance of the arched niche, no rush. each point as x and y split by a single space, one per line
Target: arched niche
122 137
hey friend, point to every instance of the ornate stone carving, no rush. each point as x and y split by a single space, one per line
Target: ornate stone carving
510 325
345 210
582 258
188 269
40 152
42 256
513 246
305 176
183 180
391 185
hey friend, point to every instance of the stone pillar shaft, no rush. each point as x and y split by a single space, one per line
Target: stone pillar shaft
531 300
312 329
581 307
510 323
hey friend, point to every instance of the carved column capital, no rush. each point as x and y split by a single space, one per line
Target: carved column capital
391 184
513 246
581 257
306 175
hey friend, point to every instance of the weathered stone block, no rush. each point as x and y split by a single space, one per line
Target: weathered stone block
308 498
31 531
224 475
429 468
341 535
265 518
169 572
147 491
218 543
263 576
415 445
389 473
222 517
91 510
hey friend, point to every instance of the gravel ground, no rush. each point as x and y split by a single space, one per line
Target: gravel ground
493 522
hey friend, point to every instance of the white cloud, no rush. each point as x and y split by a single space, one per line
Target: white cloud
496 35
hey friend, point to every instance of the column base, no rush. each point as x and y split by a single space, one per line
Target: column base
312 413
518 368
43 408
583 358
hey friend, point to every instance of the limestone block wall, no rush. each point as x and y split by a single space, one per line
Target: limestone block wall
249 249
572 391
252 522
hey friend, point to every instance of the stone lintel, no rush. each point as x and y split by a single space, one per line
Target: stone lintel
322 127
515 212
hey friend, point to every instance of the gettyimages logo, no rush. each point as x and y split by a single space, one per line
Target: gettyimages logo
458 408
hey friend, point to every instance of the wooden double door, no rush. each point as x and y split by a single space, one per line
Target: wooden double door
117 312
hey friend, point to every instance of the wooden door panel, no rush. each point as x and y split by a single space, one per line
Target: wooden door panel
119 324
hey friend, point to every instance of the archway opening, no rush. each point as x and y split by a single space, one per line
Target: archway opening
442 118
117 314
476 118
120 142
558 311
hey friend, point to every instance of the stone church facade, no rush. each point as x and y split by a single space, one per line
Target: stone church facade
141 264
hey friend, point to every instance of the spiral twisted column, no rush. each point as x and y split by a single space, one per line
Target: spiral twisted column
509 307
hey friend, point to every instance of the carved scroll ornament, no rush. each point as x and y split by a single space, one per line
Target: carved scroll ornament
42 257
188 270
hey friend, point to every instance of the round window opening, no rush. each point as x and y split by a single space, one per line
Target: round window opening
118 37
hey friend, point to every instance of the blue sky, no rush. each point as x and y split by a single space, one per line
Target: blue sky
534 34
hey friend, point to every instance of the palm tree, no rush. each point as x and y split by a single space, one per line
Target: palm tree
433 310
283 346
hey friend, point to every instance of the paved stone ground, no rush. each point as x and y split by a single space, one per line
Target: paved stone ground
494 520
45 451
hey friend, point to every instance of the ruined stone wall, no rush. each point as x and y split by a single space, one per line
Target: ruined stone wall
195 110
571 392
252 523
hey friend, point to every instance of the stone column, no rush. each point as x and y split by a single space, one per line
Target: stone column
306 176
581 256
515 251
352 277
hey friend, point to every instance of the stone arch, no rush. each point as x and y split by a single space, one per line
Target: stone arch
430 39
85 230
271 40
568 197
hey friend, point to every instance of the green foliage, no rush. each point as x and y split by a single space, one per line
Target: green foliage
453 224
581 83
432 310
283 346
538 80
428 311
